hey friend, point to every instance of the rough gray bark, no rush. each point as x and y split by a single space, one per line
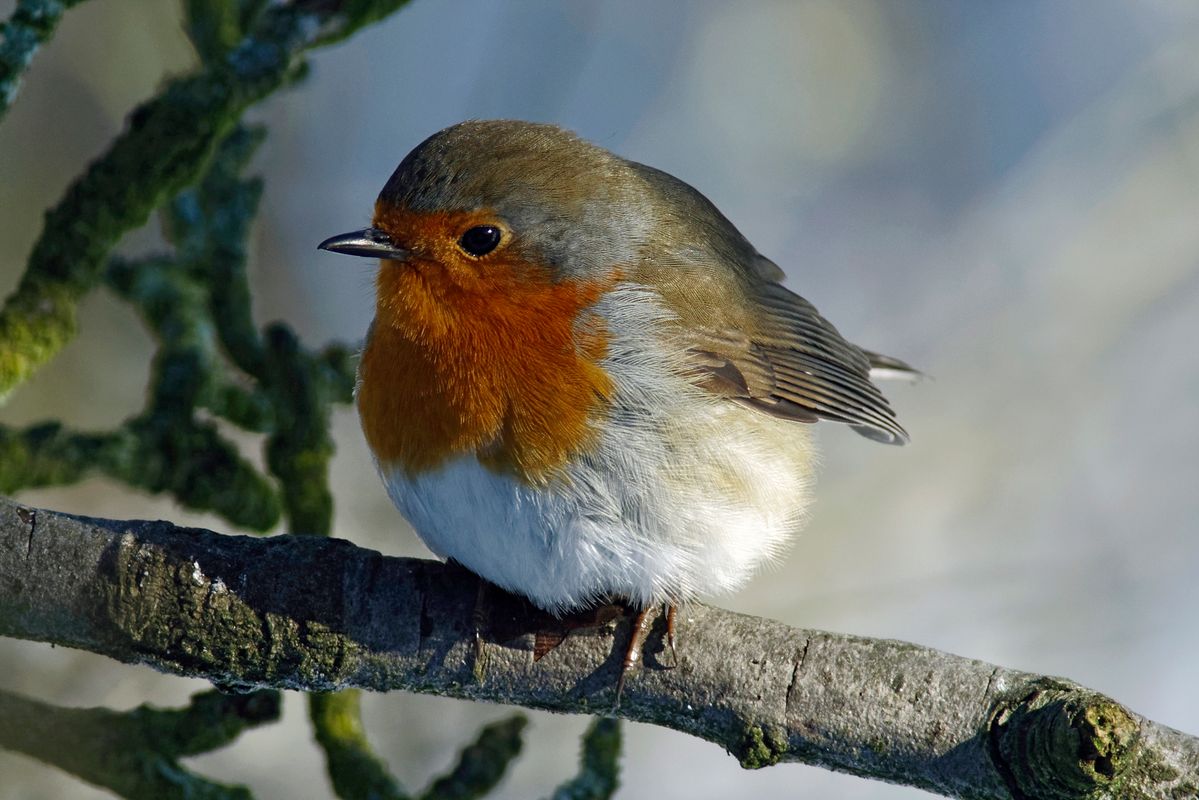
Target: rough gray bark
319 614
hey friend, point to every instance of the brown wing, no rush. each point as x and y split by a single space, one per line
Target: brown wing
797 366
750 338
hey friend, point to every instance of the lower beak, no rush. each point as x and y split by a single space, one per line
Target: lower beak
368 242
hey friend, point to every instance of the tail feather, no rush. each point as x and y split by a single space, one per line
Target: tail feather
887 368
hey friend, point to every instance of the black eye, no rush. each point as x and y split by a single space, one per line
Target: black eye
480 240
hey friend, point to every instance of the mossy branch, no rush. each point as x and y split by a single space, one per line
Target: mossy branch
156 453
482 763
319 614
31 25
136 753
354 769
599 764
166 146
195 303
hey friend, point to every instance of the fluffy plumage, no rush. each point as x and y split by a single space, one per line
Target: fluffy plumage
680 493
610 403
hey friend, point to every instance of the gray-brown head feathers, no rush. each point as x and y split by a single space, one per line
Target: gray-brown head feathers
583 212
571 205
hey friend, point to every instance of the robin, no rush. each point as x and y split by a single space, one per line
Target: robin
583 383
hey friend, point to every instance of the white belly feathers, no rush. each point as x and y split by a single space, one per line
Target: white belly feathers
683 493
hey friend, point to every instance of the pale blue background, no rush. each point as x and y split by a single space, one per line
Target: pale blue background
1006 194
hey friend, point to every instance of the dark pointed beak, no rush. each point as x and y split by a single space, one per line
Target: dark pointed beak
368 242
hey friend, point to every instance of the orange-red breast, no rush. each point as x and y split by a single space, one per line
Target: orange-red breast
582 382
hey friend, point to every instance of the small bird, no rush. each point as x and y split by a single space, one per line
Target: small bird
582 383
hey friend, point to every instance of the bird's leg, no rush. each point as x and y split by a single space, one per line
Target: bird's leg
632 656
478 618
672 611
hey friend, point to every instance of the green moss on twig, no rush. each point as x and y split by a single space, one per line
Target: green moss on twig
166 146
209 225
599 764
354 769
299 451
762 747
191 461
136 754
183 154
216 26
30 26
1053 734
482 763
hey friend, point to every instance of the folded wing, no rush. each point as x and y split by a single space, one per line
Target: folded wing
797 366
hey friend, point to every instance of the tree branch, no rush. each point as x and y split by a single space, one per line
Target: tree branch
166 146
136 753
599 764
319 614
31 25
354 769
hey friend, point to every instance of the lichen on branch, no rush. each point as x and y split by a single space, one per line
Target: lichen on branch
320 614
165 148
136 753
31 25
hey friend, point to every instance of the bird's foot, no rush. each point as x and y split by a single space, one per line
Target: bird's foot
639 632
478 619
632 654
672 611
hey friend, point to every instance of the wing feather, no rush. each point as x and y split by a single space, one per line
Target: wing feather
796 365
748 337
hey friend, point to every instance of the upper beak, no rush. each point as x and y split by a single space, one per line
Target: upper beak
368 242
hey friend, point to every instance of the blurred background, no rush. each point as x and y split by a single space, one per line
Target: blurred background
1004 194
